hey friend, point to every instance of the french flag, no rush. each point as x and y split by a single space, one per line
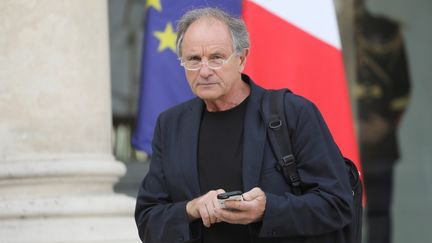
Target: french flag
296 45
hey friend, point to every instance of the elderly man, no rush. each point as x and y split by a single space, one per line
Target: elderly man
217 143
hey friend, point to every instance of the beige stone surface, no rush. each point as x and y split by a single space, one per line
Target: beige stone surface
54 84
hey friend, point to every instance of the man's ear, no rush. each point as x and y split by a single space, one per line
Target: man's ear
243 58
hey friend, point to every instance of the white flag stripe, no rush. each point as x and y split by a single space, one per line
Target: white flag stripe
316 17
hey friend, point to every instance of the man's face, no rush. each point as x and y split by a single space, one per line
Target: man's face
206 39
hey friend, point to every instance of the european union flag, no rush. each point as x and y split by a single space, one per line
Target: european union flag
163 82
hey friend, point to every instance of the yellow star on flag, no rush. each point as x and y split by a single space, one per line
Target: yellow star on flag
167 38
153 3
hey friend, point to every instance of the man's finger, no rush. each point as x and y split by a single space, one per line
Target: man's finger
210 211
227 216
205 217
236 205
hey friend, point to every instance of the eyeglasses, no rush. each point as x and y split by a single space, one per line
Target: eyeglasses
213 63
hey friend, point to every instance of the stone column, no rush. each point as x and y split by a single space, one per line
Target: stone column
56 166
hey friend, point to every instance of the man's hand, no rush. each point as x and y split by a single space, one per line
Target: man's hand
204 207
244 212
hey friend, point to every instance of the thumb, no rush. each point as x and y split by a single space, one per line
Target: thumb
253 194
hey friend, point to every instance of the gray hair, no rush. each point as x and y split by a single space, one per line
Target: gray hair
236 26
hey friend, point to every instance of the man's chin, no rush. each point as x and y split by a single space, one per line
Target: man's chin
209 96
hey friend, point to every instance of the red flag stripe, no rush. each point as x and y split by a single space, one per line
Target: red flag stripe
283 55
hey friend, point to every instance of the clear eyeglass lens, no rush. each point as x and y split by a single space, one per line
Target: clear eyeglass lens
213 64
191 64
216 63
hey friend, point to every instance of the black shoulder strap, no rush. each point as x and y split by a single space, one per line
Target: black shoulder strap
273 109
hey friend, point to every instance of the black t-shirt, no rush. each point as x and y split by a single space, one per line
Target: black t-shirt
220 149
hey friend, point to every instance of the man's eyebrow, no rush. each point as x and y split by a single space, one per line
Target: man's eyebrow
217 53
189 56
211 54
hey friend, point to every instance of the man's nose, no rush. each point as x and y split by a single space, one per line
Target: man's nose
205 71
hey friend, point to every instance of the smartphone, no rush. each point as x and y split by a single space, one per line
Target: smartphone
233 195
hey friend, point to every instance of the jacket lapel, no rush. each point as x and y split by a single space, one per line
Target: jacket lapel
188 147
254 139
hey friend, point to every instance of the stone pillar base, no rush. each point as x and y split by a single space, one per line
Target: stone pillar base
64 199
115 229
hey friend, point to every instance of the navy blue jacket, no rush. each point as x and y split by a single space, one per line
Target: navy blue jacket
319 214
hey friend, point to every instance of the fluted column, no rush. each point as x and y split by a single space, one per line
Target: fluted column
56 166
